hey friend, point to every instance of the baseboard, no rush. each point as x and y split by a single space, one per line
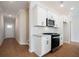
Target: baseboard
20 43
23 43
1 42
67 42
74 42
31 51
9 38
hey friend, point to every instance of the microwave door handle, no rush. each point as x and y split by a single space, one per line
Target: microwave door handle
46 21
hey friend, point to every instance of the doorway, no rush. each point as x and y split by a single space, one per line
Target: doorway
9 27
67 32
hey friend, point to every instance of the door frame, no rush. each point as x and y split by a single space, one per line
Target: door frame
68 24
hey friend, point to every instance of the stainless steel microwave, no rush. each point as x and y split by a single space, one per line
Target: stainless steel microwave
50 22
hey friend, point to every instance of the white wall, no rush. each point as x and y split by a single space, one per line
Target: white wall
31 41
1 29
75 28
22 27
17 28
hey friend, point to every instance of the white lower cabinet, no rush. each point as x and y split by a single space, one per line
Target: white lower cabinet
61 40
46 44
42 44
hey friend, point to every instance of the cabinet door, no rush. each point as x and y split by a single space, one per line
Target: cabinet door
46 44
56 21
42 15
37 45
61 40
50 15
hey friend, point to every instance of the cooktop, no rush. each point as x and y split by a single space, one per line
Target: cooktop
51 34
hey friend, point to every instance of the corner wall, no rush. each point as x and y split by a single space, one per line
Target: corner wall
22 27
1 30
75 28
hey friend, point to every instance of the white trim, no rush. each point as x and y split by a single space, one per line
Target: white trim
30 50
1 41
20 43
74 41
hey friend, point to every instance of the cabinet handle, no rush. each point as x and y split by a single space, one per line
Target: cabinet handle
47 42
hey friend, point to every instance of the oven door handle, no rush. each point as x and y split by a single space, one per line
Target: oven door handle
56 37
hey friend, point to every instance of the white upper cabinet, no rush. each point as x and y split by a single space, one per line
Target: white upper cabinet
41 15
54 17
57 23
50 15
65 19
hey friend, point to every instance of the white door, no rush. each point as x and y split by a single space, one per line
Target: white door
9 27
67 32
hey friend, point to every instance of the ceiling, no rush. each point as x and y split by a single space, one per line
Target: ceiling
66 9
8 7
12 7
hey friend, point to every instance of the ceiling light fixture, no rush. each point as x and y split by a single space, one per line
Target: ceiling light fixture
10 15
61 4
72 8
9 26
11 1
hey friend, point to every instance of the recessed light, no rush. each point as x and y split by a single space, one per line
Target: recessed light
61 5
72 8
10 15
11 1
9 26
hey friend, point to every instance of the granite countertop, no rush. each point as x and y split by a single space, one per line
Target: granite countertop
39 35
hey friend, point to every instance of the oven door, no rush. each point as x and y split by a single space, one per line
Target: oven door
55 42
